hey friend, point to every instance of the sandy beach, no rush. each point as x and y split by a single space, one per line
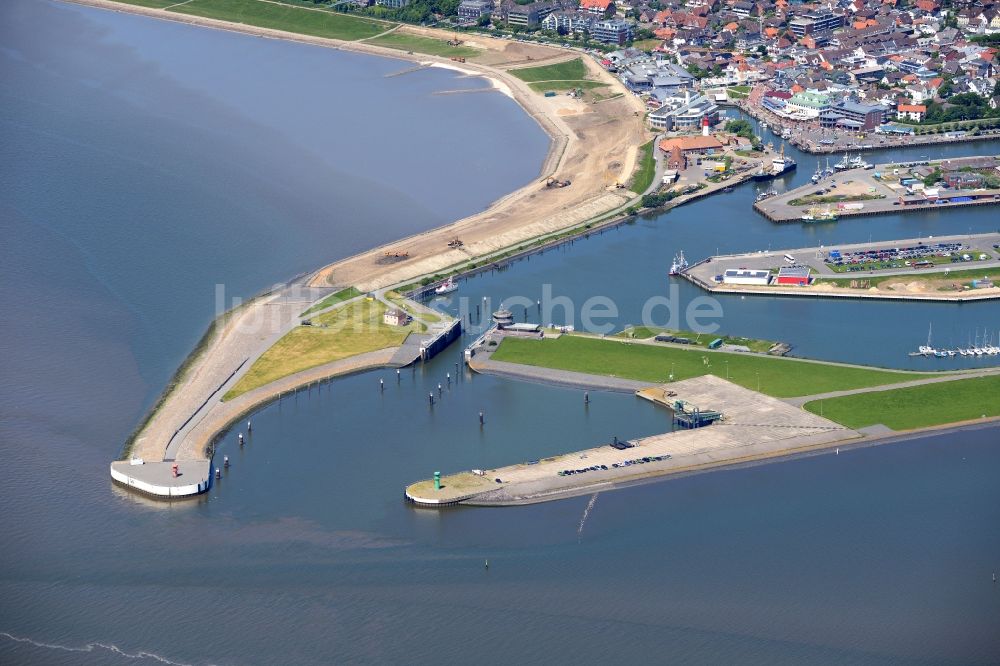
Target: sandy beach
595 146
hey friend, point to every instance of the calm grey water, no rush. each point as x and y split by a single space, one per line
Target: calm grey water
144 162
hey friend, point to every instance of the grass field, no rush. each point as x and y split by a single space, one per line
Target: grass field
333 299
418 44
647 168
916 406
570 70
353 329
318 23
779 377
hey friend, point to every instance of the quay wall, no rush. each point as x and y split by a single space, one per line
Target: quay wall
157 490
870 211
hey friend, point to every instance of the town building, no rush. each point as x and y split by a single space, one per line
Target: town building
793 275
569 23
392 4
687 112
815 22
528 16
853 116
599 8
396 317
748 276
915 112
613 31
473 10
689 145
808 104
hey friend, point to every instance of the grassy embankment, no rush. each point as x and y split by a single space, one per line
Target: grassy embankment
643 177
962 277
307 21
916 406
699 339
778 377
816 199
900 263
155 4
338 297
568 75
418 44
353 329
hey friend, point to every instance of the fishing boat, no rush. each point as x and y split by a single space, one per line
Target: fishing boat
813 215
767 194
679 264
844 164
782 163
818 174
446 287
779 165
828 171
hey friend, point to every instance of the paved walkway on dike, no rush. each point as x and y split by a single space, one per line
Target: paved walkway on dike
194 412
242 335
964 374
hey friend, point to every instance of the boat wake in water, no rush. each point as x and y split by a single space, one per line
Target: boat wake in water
586 512
94 647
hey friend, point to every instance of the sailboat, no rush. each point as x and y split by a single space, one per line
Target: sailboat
927 350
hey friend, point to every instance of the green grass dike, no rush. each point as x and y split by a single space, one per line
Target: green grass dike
304 20
643 177
428 45
353 329
337 297
775 376
915 406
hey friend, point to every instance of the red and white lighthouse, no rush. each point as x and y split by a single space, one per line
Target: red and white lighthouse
704 126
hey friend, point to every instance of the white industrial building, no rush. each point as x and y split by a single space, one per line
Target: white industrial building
751 276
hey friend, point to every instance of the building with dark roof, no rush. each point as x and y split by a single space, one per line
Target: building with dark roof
853 116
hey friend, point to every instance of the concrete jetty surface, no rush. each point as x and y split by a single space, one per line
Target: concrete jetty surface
875 191
703 273
754 427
